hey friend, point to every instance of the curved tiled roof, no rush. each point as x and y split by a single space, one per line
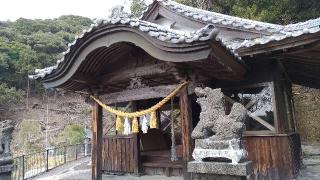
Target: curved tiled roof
154 30
275 32
291 30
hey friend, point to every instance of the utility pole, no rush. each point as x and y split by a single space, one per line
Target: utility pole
28 92
47 119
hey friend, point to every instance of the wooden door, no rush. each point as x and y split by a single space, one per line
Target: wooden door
120 154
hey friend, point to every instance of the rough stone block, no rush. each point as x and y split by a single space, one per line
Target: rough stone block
221 168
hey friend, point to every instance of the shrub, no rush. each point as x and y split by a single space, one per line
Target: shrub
72 134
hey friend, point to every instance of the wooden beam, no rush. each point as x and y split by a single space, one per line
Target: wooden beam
261 121
279 45
275 105
114 122
282 123
139 94
150 70
284 70
221 55
186 128
167 120
302 59
258 119
96 125
250 103
304 48
258 133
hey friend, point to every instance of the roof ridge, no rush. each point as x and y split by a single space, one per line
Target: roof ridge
292 30
216 18
302 25
221 14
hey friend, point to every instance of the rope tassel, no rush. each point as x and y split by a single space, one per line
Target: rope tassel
153 120
135 125
119 125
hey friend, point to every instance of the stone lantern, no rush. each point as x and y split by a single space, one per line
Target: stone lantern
6 160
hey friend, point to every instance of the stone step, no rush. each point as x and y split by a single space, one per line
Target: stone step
311 150
311 160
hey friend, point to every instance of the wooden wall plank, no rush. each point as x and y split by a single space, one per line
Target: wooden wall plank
115 157
130 155
125 152
111 154
104 155
119 155
136 153
274 157
107 160
122 155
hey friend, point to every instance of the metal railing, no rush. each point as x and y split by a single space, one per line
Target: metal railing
28 166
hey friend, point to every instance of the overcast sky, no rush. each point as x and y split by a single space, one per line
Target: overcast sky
44 9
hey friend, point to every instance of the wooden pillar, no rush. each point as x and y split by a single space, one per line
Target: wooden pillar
136 144
186 129
96 125
281 119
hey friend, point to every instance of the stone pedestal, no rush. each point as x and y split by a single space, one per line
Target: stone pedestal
220 170
6 167
230 149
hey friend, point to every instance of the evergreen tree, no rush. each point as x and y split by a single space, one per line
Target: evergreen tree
137 6
26 45
273 11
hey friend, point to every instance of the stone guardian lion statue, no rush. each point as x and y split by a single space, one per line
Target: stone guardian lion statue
217 134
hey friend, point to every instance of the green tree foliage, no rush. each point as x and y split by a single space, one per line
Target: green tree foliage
137 6
72 134
26 45
8 95
273 11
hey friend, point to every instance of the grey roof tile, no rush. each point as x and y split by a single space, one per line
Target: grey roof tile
275 32
283 34
217 18
154 30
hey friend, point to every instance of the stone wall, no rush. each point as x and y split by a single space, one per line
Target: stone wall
307 106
